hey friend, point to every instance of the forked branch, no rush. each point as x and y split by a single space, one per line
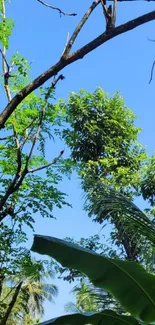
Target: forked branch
70 58
79 27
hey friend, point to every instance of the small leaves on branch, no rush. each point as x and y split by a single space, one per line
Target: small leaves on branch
47 165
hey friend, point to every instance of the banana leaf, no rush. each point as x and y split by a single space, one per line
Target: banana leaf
127 281
107 317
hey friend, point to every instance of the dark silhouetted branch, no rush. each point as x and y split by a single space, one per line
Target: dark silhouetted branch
56 8
70 58
152 69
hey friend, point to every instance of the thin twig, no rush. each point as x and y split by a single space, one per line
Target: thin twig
56 8
4 58
47 165
79 27
150 40
152 70
67 39
5 138
35 138
54 82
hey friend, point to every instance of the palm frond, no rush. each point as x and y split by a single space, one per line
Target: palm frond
105 202
91 298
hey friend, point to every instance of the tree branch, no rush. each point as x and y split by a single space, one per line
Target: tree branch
62 63
54 82
47 165
79 27
58 9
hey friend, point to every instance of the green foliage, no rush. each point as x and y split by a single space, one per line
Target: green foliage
103 138
24 193
34 291
130 284
6 27
109 202
148 181
91 299
103 141
94 243
28 183
23 198
107 317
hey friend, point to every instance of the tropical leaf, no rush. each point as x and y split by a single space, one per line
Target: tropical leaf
107 317
109 202
131 285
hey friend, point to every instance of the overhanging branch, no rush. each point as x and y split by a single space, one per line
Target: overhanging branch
62 63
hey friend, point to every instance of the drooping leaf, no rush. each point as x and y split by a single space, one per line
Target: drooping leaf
107 317
131 285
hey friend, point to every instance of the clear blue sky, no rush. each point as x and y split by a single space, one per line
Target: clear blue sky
123 64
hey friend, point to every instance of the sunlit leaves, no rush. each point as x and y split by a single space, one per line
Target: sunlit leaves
6 27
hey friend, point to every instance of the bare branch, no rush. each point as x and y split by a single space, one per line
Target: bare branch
114 11
150 40
47 165
63 62
66 44
58 9
152 69
79 27
4 58
108 13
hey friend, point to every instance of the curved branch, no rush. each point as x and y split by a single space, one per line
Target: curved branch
62 63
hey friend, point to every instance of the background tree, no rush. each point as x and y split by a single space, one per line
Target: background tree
111 163
103 142
24 293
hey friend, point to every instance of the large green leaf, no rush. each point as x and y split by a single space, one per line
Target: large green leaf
107 317
132 286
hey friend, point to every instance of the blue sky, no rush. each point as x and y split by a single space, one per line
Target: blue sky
123 64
